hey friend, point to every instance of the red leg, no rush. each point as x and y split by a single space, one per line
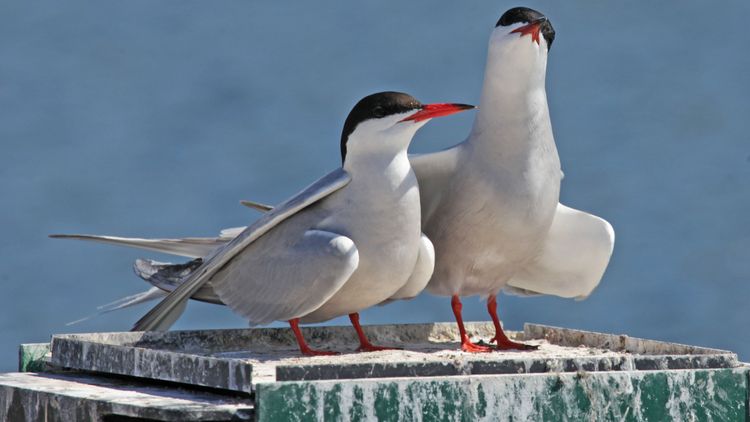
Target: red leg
466 344
303 347
503 342
364 343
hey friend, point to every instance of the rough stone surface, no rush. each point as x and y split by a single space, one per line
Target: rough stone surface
141 362
77 397
238 359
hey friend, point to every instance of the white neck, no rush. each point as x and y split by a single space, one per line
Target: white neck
376 147
381 177
513 116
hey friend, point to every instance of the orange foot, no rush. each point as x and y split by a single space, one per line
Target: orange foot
468 346
507 344
312 352
372 348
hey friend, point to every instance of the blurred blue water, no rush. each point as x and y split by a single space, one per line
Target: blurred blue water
146 118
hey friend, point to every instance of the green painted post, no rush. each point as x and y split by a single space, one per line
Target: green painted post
677 395
33 357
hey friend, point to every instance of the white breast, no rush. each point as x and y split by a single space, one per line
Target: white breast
386 231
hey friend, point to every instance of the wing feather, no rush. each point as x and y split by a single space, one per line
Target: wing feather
574 257
273 280
191 247
163 311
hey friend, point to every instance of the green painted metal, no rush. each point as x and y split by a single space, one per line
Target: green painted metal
33 357
676 395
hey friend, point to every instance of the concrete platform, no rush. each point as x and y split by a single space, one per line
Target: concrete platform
259 373
239 359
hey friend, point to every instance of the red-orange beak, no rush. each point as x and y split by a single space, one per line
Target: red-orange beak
430 111
532 28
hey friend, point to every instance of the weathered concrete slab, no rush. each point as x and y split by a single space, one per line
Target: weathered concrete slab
644 354
238 359
142 362
78 397
674 395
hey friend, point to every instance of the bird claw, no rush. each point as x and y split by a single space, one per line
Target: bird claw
468 346
312 352
373 348
506 344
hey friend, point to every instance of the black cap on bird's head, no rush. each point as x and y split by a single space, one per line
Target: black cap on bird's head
390 103
535 23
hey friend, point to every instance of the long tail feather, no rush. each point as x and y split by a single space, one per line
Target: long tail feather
191 247
256 205
125 302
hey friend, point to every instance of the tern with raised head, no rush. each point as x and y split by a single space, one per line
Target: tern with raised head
349 241
490 205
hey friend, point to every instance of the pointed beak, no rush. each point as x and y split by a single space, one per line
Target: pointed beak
430 111
532 28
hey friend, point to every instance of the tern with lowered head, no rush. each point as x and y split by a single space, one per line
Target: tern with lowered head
349 241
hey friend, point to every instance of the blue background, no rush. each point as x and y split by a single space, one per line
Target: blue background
153 119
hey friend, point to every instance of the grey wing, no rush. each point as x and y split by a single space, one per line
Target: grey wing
164 277
573 257
167 276
257 206
313 193
191 247
277 280
434 171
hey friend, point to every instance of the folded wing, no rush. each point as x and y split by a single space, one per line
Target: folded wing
277 279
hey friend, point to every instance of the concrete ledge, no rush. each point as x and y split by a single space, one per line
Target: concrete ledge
79 397
238 359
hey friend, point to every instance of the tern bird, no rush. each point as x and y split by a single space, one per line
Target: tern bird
347 242
490 205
